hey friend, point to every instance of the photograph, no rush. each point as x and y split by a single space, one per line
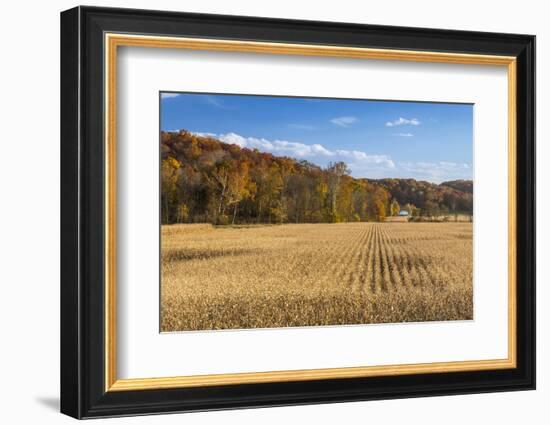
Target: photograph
280 211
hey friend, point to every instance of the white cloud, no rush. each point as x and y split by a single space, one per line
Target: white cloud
403 121
233 139
361 163
201 134
169 95
403 134
319 149
358 159
437 171
281 147
344 121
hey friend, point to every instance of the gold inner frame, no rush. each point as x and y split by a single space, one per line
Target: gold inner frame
113 41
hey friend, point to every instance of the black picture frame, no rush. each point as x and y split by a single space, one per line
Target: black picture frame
83 392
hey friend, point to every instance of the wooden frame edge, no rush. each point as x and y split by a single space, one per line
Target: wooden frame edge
110 213
512 212
306 375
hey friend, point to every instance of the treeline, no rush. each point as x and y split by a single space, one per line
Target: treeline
205 180
431 200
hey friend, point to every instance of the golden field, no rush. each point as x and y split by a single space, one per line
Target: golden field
314 274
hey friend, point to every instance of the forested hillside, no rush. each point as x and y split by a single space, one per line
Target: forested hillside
462 185
205 180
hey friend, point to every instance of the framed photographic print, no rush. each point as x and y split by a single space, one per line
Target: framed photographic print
261 212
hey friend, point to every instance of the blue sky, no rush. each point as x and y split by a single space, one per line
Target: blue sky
377 139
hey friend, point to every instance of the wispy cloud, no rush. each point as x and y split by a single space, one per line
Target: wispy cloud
356 158
302 126
215 101
437 171
403 134
361 163
344 121
169 95
403 121
203 134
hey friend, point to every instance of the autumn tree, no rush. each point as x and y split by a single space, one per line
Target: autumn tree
205 180
238 187
170 170
335 172
410 208
394 208
380 210
431 209
220 175
377 205
359 201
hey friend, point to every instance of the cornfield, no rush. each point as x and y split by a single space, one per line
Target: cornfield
314 274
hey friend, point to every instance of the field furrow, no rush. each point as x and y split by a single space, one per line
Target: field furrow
314 274
355 270
392 264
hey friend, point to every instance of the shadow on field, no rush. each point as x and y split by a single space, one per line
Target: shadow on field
199 254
